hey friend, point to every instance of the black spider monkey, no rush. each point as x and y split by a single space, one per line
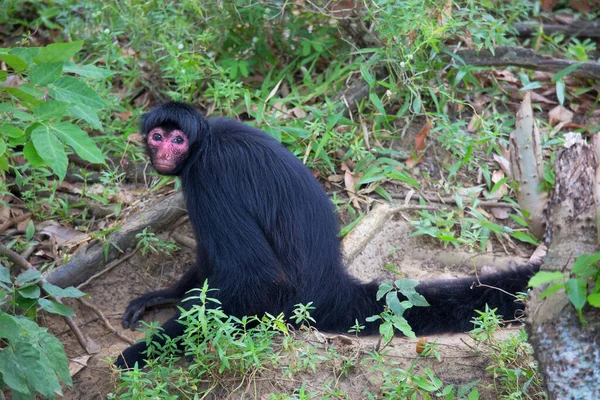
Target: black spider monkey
268 237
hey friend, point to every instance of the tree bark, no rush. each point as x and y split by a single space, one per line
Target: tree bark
568 353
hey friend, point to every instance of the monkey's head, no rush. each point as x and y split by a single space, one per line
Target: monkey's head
172 131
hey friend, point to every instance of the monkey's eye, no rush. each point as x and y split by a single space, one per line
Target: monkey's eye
178 140
157 137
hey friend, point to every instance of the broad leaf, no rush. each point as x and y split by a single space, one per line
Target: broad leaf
72 90
58 52
87 114
45 74
89 70
50 149
55 307
56 291
79 141
51 109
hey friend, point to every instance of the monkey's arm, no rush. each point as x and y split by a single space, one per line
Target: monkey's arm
171 295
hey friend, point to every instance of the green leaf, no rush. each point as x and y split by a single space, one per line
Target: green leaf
560 92
2 147
392 301
79 141
27 54
577 291
51 109
550 290
55 307
14 61
88 70
564 72
29 276
9 329
11 131
13 370
367 76
38 369
87 114
28 98
55 352
58 52
402 325
594 300
524 237
30 292
45 74
543 277
31 155
383 289
386 330
30 230
407 288
3 163
50 149
56 291
72 90
586 265
4 274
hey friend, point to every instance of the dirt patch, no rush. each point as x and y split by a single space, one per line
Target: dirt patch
392 244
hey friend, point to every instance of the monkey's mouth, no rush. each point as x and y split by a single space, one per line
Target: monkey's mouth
164 166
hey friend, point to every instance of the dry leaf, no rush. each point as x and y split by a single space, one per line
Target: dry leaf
559 114
420 141
538 98
77 364
499 212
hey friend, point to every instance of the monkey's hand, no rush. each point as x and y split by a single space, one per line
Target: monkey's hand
131 356
137 307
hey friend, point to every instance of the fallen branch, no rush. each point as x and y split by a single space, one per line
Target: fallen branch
90 260
590 29
506 56
451 200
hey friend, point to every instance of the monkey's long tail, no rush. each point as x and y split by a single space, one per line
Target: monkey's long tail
453 301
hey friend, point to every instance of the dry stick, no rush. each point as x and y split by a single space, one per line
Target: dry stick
105 321
24 264
452 200
590 29
109 267
184 240
506 56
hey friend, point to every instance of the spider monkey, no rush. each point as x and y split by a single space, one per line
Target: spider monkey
268 237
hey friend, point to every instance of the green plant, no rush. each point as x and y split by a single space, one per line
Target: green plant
147 241
31 359
43 126
392 318
581 284
512 364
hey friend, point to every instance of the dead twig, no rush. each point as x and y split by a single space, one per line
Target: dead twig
452 200
105 321
505 56
590 29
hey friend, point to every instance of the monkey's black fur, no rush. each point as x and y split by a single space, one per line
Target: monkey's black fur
267 240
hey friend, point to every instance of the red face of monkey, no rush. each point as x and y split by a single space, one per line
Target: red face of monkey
168 150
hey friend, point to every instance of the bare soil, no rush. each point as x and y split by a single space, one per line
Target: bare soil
391 245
